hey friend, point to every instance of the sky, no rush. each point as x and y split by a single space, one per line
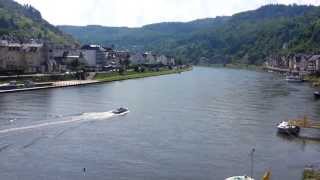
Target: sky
136 13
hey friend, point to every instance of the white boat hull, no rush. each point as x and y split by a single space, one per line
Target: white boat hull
285 128
122 114
294 79
240 178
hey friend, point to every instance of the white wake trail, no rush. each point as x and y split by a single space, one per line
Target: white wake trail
85 117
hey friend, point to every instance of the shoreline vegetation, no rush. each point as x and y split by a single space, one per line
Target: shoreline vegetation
311 174
313 79
115 76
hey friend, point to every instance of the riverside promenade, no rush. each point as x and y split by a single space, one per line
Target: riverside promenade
97 80
58 84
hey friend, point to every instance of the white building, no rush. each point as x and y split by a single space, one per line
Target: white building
150 58
94 55
171 61
162 60
90 57
137 58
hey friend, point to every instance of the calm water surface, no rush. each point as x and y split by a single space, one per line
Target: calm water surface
199 125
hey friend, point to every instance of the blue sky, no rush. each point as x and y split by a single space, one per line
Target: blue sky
135 13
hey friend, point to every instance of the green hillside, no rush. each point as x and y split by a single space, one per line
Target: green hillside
25 22
246 37
138 38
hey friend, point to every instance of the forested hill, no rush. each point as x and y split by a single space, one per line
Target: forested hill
23 22
138 38
246 37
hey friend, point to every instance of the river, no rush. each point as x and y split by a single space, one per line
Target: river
200 124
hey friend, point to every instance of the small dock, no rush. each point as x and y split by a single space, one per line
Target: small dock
300 128
304 123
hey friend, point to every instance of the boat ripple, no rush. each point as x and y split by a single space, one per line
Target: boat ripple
85 117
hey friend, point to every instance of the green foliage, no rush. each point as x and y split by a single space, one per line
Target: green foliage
121 71
138 39
76 65
25 22
108 77
311 174
244 38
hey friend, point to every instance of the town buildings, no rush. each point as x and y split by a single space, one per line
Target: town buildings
151 59
34 57
303 63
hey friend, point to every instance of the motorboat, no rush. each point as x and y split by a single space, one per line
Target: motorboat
292 78
121 111
29 84
240 178
317 94
285 128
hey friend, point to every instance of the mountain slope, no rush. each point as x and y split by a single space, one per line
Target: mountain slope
25 22
247 37
137 38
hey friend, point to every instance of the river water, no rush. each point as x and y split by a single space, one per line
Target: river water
198 125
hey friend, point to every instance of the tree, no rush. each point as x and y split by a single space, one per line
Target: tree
125 63
76 65
137 69
121 70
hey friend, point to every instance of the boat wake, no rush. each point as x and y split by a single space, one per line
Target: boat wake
85 117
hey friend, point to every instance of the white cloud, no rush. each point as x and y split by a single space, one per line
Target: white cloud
140 12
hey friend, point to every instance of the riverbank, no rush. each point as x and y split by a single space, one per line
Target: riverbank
314 80
311 78
103 78
38 78
235 66
109 77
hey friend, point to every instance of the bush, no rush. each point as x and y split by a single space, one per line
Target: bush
137 69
